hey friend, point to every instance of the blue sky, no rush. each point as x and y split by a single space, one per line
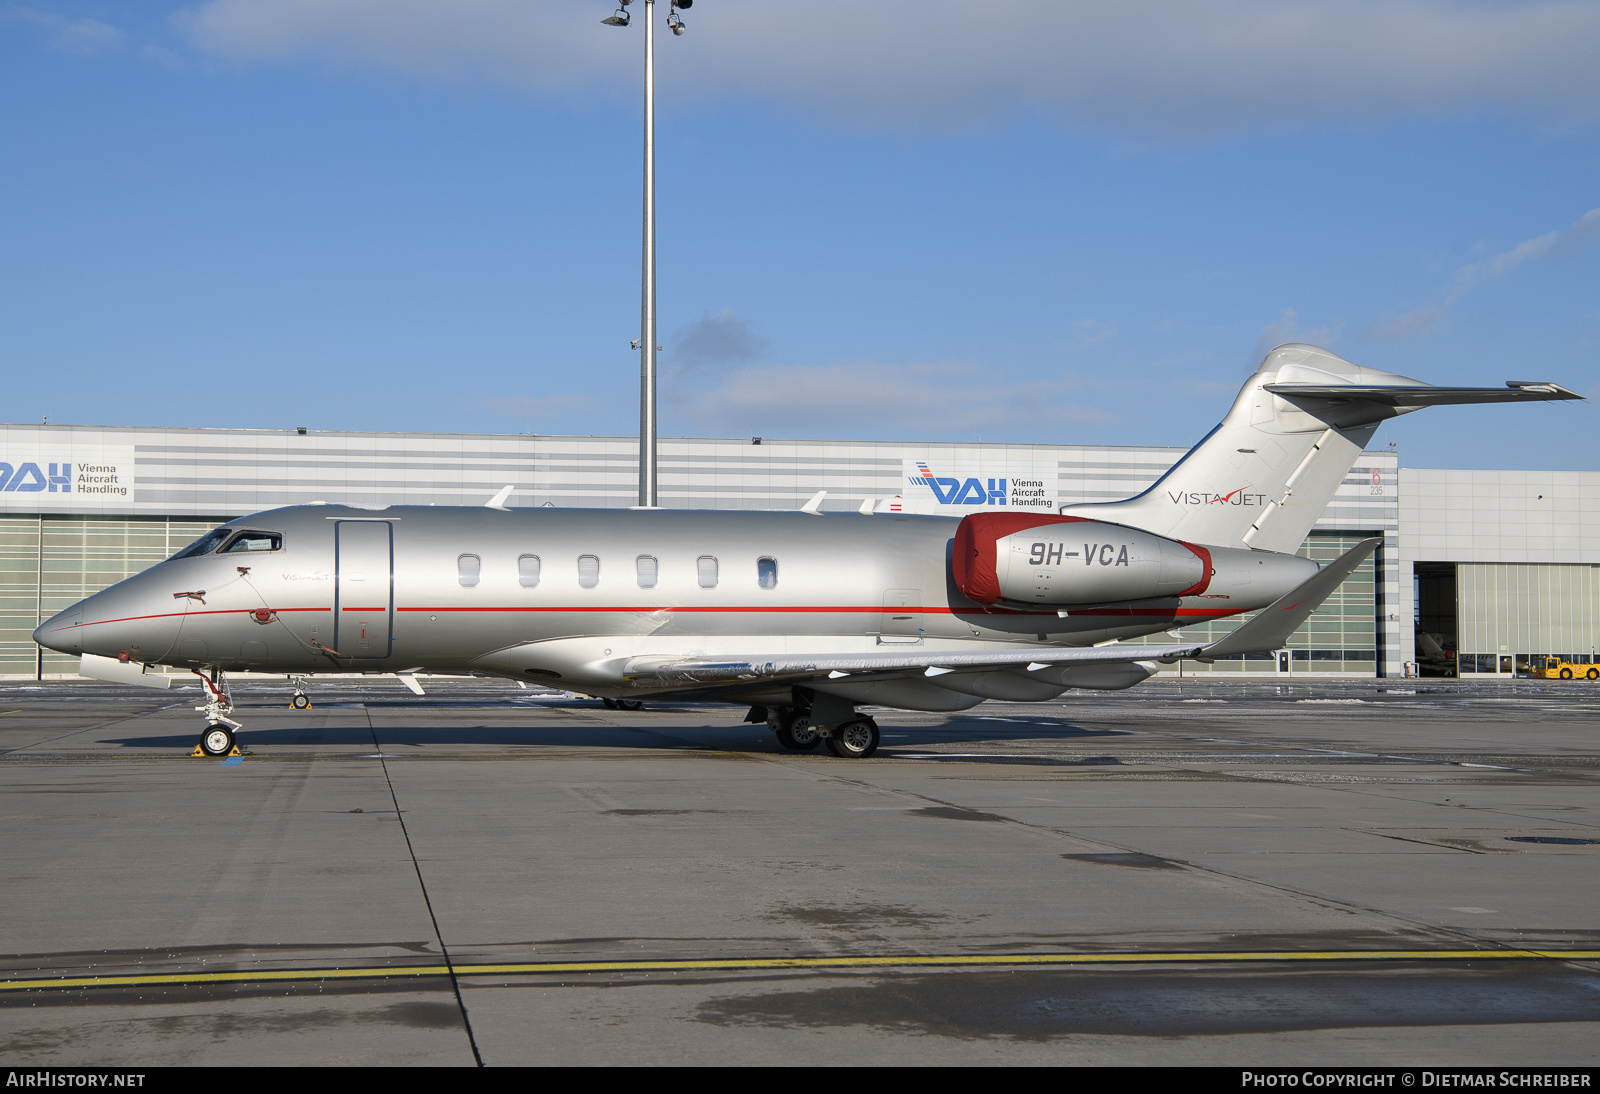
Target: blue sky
1074 223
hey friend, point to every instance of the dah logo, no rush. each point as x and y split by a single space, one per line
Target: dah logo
957 492
29 479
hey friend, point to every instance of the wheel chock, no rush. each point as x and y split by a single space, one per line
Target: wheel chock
199 753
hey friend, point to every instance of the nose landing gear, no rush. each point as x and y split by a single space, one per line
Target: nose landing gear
217 739
301 700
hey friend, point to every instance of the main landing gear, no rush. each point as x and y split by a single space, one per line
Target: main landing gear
217 739
853 738
793 728
623 704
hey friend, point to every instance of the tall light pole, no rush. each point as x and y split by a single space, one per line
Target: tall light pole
648 490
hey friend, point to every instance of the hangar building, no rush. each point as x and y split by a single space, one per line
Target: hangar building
1494 566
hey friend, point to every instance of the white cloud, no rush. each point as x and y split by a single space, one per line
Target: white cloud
544 407
1431 316
1187 68
1288 329
925 399
81 36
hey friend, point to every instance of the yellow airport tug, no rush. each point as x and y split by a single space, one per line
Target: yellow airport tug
1557 669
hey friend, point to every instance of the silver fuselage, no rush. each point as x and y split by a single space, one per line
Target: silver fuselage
354 590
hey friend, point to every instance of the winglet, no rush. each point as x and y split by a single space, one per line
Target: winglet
499 500
1273 625
814 506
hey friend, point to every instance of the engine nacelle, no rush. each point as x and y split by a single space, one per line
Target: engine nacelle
1026 558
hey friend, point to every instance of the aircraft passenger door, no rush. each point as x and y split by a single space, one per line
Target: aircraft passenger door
363 607
902 617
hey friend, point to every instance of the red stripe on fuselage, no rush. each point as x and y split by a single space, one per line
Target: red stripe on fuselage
179 615
1207 613
1189 613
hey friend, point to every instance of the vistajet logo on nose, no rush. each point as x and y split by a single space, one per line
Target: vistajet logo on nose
1202 497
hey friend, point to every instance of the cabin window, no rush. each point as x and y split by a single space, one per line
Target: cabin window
708 572
588 571
648 569
254 541
205 543
528 571
468 568
767 572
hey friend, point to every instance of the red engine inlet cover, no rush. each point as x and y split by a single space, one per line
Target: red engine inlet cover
972 560
1113 564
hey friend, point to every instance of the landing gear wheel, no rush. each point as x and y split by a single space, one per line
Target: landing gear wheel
854 740
217 740
630 704
610 704
299 702
798 733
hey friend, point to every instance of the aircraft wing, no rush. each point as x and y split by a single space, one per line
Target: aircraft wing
1421 395
1269 630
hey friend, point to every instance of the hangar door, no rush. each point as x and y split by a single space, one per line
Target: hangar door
363 607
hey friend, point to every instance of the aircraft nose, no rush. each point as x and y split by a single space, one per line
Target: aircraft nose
61 631
107 623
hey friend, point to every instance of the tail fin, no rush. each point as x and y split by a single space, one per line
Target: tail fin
1264 475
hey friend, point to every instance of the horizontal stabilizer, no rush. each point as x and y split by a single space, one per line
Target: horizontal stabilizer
1272 626
1421 395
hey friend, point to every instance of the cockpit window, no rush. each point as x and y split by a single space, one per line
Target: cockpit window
254 541
205 544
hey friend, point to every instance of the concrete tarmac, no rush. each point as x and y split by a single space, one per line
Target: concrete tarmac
1239 874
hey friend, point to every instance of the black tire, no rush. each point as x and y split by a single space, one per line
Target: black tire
1593 674
797 733
630 704
610 704
854 740
299 702
1566 674
216 740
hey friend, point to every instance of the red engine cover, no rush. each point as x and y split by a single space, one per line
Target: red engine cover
972 557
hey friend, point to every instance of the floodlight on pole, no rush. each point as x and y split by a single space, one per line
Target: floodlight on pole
648 466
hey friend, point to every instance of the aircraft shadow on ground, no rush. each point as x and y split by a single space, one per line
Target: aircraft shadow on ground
640 733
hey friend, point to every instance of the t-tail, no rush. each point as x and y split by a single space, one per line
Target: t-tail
1264 475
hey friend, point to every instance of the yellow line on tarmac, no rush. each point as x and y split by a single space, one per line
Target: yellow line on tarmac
536 968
